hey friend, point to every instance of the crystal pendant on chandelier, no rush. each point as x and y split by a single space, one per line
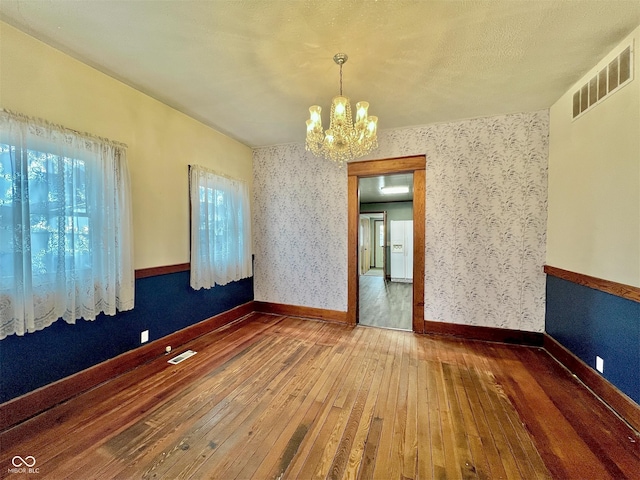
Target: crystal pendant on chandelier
345 139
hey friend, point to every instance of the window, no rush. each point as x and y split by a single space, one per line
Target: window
220 229
58 217
65 226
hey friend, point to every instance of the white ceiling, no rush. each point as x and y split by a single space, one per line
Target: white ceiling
370 188
251 69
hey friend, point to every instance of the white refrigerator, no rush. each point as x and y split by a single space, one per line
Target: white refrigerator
401 250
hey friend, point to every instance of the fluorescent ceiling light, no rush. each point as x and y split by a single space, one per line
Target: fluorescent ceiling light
394 190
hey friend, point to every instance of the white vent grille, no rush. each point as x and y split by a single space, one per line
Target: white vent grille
182 357
616 74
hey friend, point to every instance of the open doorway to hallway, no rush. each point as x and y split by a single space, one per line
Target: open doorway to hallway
374 168
385 253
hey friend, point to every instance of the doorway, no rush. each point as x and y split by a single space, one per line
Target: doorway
364 236
372 241
416 166
385 293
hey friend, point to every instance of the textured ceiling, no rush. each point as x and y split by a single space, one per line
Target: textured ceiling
251 69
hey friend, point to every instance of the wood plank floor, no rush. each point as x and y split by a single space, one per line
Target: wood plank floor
384 303
275 397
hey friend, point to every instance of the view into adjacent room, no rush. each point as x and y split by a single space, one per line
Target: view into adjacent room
385 251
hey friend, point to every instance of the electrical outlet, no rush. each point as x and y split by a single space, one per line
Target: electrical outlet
144 336
599 364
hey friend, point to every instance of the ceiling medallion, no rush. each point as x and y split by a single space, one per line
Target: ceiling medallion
344 140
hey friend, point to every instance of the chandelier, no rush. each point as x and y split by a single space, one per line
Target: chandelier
344 140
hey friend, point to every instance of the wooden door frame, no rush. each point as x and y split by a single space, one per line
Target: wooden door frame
362 265
384 222
374 168
384 247
377 239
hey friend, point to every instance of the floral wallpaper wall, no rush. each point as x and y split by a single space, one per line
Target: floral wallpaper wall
299 228
486 213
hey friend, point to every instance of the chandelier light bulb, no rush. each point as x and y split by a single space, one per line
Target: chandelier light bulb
328 139
361 111
315 112
372 125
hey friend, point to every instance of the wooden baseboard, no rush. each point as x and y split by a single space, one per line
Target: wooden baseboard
608 393
30 404
299 311
490 334
163 270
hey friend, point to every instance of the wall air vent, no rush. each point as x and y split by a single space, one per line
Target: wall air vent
615 75
182 357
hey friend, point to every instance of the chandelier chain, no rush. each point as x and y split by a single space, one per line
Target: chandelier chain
341 79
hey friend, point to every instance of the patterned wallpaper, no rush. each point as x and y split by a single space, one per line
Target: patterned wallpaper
299 228
486 213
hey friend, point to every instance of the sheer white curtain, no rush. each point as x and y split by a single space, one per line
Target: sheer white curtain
220 229
65 226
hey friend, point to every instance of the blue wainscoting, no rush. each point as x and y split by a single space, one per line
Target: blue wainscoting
164 304
589 322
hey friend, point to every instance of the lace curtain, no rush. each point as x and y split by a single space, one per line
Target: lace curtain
220 229
65 226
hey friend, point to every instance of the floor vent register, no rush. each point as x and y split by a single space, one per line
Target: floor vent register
182 357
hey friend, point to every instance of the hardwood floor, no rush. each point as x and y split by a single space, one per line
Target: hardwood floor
278 397
384 303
